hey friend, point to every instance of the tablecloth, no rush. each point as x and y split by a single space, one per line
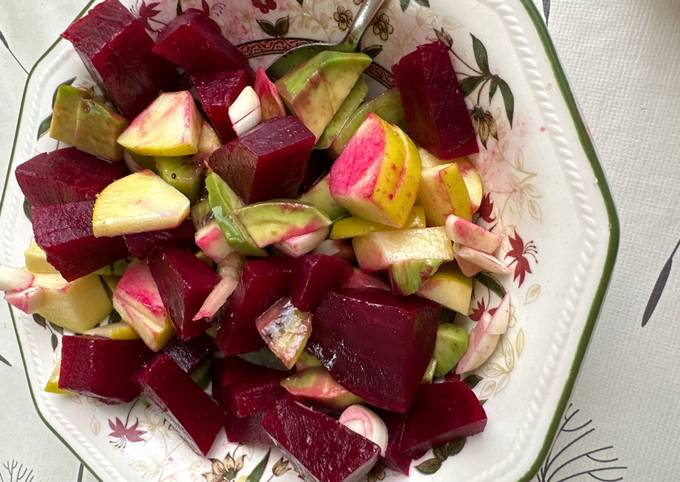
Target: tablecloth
623 418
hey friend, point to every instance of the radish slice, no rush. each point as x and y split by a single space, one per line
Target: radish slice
467 268
212 242
217 298
15 279
483 260
501 318
334 247
245 113
300 245
469 234
366 423
29 300
481 347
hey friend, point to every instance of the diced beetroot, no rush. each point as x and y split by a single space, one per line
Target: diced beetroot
101 367
189 409
395 458
195 42
434 105
117 52
268 162
315 275
65 176
263 283
184 283
254 395
320 447
217 91
364 281
64 232
229 371
190 354
145 245
318 166
246 430
376 344
441 413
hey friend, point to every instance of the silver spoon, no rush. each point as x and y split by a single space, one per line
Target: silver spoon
294 57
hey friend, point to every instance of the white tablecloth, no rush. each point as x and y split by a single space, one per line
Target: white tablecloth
622 59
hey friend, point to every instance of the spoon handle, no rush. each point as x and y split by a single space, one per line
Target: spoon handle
369 9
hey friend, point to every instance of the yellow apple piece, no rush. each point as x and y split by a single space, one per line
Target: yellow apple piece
52 385
138 203
354 226
471 235
36 260
450 288
169 127
443 192
114 331
377 175
381 249
473 182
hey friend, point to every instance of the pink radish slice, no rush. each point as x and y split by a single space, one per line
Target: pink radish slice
366 423
469 234
212 242
29 300
217 298
467 268
303 244
481 347
483 260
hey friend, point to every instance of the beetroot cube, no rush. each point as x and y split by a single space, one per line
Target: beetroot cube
441 413
145 245
321 448
217 91
189 355
65 176
195 42
246 430
229 371
376 344
255 395
64 232
189 409
184 283
395 458
263 283
434 105
314 276
101 367
117 52
268 162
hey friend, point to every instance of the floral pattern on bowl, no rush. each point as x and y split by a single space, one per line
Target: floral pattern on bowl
533 158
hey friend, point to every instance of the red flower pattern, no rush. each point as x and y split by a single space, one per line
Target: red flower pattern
265 6
121 434
520 254
147 14
480 309
486 209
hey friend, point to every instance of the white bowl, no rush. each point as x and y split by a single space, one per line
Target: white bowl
548 194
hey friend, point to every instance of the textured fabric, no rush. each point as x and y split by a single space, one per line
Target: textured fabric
621 57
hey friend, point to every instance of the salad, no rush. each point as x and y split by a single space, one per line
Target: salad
300 249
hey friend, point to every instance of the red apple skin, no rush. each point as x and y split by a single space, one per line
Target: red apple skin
117 51
217 91
65 176
190 410
434 105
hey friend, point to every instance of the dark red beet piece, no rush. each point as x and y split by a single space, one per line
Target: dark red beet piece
101 367
441 413
376 344
145 245
395 458
189 355
320 447
195 42
434 105
65 176
268 162
64 232
246 430
189 409
184 283
117 52
364 281
315 275
255 395
263 282
318 166
217 91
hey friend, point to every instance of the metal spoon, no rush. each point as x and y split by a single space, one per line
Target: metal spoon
294 57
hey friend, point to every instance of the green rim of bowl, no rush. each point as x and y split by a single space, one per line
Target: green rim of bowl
586 144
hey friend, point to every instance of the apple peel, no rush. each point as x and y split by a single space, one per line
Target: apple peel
29 300
270 100
212 242
300 245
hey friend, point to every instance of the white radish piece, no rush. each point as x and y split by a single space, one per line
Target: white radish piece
481 346
217 298
469 234
485 261
301 245
501 318
366 423
29 300
468 269
15 279
335 247
245 113
212 242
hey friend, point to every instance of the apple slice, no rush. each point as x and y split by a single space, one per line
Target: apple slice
285 329
450 288
270 100
212 242
485 261
36 260
169 127
380 250
217 298
468 269
354 226
473 182
138 203
334 247
443 192
114 331
501 317
485 337
29 300
469 234
15 279
303 244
